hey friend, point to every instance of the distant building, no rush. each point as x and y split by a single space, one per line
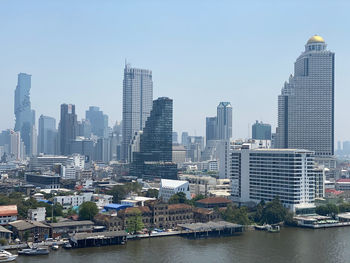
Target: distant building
170 187
175 137
25 116
210 129
155 156
306 103
8 213
43 181
47 137
224 121
68 128
261 131
179 154
98 121
184 138
37 214
137 103
72 200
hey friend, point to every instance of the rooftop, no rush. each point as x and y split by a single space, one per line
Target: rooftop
24 225
315 39
8 210
107 234
214 200
167 183
209 226
71 223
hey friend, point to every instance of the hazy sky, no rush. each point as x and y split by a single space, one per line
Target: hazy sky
200 52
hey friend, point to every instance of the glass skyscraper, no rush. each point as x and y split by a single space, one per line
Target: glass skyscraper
47 136
261 131
137 103
98 121
68 128
224 121
25 116
306 103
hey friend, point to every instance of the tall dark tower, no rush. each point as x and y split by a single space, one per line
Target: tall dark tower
155 156
68 127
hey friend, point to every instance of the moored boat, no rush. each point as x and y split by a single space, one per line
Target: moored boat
6 256
34 251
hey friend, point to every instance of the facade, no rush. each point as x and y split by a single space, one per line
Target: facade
137 103
170 187
210 129
179 154
72 200
25 116
261 131
8 213
98 121
156 143
68 127
47 137
30 230
224 121
37 214
263 174
46 162
306 103
63 229
43 181
175 137
184 138
12 145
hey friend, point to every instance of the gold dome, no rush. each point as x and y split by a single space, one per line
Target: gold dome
315 39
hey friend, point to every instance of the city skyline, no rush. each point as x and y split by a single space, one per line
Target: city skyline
105 84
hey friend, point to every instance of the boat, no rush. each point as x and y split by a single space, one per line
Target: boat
34 251
67 245
274 229
264 227
6 256
54 246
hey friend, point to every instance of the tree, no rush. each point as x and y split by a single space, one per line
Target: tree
327 210
3 241
344 207
57 209
274 212
87 211
178 198
134 223
153 193
236 215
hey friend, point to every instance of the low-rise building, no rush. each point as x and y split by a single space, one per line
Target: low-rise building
136 200
5 234
44 181
27 230
170 187
63 229
8 213
213 202
37 214
343 184
72 200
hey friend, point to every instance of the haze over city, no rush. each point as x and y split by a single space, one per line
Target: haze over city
200 53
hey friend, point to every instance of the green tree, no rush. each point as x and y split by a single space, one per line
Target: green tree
134 223
87 211
57 209
178 198
3 241
118 192
236 215
344 207
153 193
274 212
327 210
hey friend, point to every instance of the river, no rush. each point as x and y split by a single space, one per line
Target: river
290 245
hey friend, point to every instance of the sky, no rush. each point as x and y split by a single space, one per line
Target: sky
200 52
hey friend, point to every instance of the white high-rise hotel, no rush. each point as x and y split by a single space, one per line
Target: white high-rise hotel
137 103
306 103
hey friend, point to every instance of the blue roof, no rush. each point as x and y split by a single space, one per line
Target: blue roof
45 201
116 207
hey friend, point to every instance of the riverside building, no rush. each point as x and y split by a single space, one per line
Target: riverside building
263 174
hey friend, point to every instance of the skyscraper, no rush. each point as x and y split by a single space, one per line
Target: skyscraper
224 121
25 116
210 128
261 131
306 103
47 135
67 128
137 103
184 138
98 121
155 155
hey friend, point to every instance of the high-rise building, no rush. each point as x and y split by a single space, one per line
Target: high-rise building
261 131
224 121
263 174
47 135
210 129
184 138
175 137
98 121
84 128
12 145
155 156
306 103
67 128
25 116
137 103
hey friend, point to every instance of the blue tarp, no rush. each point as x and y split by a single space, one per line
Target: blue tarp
115 207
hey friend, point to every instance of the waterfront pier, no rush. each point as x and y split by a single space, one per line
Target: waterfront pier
203 230
80 240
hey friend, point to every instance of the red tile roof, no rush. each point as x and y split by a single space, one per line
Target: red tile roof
214 200
345 180
8 210
333 191
179 206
